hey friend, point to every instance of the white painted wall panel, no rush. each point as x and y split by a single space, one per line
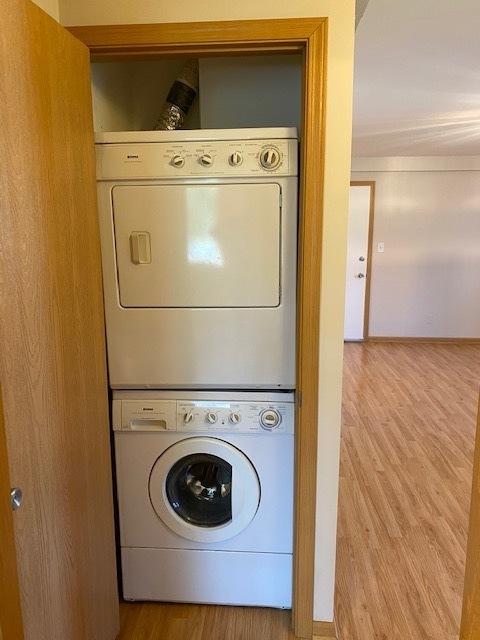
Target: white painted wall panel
427 281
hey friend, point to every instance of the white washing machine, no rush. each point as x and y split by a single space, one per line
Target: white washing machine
205 494
199 237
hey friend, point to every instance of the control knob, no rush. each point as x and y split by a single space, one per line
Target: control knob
235 159
178 161
235 417
206 160
211 417
270 419
188 417
270 158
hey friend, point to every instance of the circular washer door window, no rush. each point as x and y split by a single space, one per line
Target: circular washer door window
204 489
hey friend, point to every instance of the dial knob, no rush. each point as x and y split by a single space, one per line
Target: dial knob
178 161
235 417
235 159
211 417
188 417
270 419
206 160
270 158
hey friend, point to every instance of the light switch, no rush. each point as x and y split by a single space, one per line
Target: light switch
381 247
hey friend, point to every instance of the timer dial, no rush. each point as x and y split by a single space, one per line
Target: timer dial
270 158
270 419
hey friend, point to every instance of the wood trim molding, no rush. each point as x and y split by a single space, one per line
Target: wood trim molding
308 328
308 36
470 627
198 38
324 629
425 339
371 221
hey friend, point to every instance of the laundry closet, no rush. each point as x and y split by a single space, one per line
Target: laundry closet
198 230
198 255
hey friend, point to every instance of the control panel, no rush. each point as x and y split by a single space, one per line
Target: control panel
203 416
230 158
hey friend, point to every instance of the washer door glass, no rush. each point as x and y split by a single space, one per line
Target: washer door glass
204 489
199 489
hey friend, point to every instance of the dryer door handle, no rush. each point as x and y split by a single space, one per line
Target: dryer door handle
140 249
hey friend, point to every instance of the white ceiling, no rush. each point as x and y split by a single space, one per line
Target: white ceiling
417 78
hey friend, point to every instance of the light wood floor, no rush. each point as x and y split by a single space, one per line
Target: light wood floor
406 465
197 622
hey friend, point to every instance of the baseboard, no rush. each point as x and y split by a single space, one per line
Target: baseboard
426 340
324 629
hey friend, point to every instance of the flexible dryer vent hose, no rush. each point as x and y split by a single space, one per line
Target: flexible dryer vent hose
180 98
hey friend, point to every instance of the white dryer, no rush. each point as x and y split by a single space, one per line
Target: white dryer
199 237
205 494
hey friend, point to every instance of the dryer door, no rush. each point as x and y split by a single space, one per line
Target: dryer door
204 489
198 245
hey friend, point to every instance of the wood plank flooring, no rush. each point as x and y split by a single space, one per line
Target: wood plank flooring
406 470
197 622
406 466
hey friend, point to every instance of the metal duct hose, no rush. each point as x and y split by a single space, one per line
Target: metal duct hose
180 98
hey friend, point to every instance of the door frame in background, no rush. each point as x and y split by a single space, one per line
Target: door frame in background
371 221
307 36
470 628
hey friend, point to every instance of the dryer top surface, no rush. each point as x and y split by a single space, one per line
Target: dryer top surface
193 135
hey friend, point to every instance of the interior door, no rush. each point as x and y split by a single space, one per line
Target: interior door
52 362
357 261
192 245
10 611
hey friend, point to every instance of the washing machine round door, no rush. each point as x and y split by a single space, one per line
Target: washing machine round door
204 489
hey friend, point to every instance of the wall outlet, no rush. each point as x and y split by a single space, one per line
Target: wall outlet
381 247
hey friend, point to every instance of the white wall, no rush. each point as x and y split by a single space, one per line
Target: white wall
341 15
50 6
427 214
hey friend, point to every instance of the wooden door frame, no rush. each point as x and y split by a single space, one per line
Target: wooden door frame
470 627
307 36
371 220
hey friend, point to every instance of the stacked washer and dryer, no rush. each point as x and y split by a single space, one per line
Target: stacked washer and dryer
199 237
